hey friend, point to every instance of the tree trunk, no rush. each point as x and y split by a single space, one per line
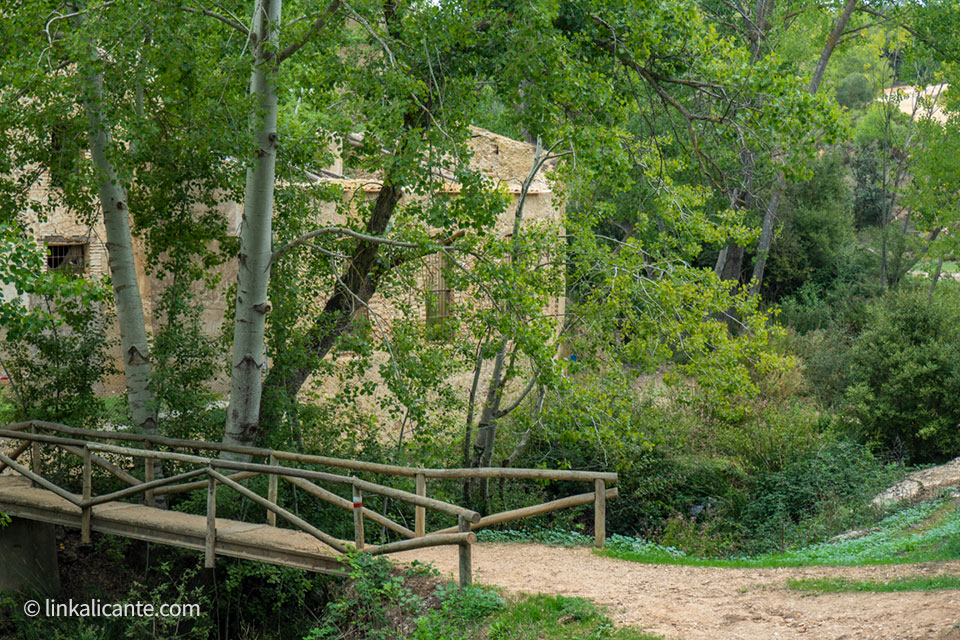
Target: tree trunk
832 42
487 425
780 187
936 276
357 283
123 272
766 233
253 275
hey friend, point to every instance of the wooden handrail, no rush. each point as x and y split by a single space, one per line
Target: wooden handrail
16 453
43 482
534 510
421 543
104 464
280 511
356 465
343 503
202 484
143 487
364 485
461 535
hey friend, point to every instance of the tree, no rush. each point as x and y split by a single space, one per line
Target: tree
45 90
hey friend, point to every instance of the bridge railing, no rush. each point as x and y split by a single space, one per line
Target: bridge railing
32 437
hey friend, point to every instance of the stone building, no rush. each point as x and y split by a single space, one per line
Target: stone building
73 243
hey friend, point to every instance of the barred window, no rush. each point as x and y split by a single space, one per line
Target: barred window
438 295
66 257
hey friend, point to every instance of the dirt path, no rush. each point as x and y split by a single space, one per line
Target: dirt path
696 603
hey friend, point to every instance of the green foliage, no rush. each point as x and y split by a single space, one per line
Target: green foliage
459 615
826 360
923 533
816 231
172 585
53 335
905 370
370 606
868 193
820 492
549 536
252 594
883 124
542 617
855 91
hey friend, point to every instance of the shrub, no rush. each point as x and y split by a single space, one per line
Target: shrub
817 494
906 375
53 335
855 91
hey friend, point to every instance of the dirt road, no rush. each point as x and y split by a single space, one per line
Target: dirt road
696 603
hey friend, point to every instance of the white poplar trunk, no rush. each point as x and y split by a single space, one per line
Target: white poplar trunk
123 273
255 238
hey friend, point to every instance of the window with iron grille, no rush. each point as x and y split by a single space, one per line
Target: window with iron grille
67 257
439 297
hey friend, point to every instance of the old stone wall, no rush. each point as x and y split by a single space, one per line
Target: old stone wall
506 161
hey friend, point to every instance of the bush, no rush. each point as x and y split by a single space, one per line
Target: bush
826 358
905 368
818 494
855 91
816 232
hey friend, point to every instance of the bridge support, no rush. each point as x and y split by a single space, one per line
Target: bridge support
28 557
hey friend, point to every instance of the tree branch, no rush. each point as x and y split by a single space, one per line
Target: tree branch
341 231
230 22
314 29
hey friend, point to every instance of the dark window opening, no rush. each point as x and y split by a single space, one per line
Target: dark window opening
439 297
66 257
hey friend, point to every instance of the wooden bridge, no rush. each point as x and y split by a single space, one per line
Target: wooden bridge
26 493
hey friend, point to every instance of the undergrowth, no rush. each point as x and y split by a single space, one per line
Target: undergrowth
923 533
380 604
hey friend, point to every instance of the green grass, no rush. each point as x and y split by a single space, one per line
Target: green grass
479 611
543 617
842 585
923 533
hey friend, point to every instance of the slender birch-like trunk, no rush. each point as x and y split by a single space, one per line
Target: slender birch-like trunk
255 237
123 273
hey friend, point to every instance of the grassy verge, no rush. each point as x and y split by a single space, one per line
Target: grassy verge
467 614
543 617
924 533
842 585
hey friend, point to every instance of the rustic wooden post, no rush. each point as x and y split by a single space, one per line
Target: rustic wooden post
87 490
272 492
34 456
599 513
358 518
466 562
420 513
209 558
148 475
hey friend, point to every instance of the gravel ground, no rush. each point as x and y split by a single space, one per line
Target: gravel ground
699 603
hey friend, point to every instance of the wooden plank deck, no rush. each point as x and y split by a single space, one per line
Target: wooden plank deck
258 542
